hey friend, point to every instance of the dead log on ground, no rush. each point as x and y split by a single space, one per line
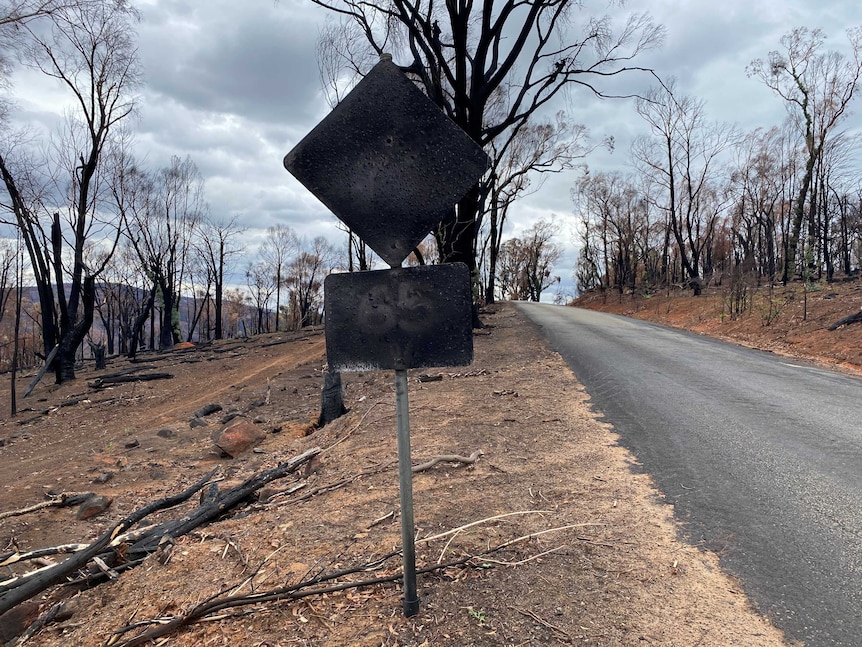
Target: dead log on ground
130 370
216 505
212 507
64 500
102 382
42 371
7 559
854 318
27 586
224 600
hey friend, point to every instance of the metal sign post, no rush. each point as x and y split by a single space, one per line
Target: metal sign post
405 485
390 165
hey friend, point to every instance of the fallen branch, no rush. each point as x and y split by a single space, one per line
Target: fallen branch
220 602
855 317
322 489
129 371
64 500
481 521
14 557
449 458
101 555
7 559
544 623
42 371
102 382
25 587
216 506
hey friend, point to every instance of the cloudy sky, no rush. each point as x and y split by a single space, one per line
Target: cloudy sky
235 85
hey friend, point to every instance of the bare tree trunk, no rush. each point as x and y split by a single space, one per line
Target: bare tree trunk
219 292
138 325
19 294
331 399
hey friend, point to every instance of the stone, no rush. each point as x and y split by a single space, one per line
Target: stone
16 620
231 415
197 422
208 410
93 506
266 493
238 437
165 433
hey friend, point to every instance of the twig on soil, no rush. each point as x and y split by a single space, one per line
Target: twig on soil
523 561
220 602
454 458
354 428
592 542
544 623
379 520
533 535
481 521
449 458
320 490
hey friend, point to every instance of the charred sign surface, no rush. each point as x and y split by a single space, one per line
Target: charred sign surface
401 318
387 162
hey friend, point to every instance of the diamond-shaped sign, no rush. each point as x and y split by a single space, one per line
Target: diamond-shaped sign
387 162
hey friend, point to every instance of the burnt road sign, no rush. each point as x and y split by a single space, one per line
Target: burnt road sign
401 318
387 162
391 165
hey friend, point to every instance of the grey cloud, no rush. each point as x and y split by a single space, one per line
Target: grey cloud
256 59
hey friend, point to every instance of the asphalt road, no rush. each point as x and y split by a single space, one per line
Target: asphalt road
760 455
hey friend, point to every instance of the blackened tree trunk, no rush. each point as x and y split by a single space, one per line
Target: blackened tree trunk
89 49
491 67
136 335
168 330
331 399
98 350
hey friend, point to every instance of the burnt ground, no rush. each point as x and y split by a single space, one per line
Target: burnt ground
789 320
595 558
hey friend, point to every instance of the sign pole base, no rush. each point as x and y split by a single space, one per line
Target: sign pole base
405 481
